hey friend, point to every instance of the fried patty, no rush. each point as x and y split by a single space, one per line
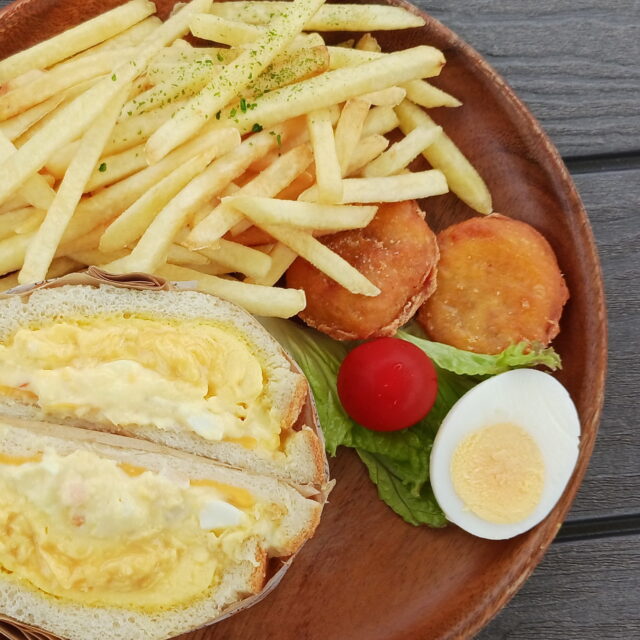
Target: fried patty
498 283
398 252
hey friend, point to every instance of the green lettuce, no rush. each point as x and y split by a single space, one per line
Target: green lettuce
522 354
397 462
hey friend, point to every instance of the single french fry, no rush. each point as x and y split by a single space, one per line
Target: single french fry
151 250
443 154
232 79
337 86
268 183
340 57
130 37
32 223
407 186
321 257
74 119
234 33
380 120
16 126
12 251
35 190
256 299
368 43
288 69
42 250
112 168
177 255
389 97
367 150
238 259
14 203
183 82
349 130
59 79
67 98
133 222
302 215
94 257
333 17
13 221
222 30
281 259
302 182
327 164
182 255
211 268
403 152
426 95
76 39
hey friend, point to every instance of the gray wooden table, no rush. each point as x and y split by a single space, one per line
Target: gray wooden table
576 63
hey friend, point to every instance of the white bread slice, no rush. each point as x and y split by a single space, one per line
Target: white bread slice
303 461
244 578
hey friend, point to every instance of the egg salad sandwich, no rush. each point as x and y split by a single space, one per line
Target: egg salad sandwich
179 368
105 536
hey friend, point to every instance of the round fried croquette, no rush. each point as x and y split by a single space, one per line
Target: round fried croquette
498 283
397 251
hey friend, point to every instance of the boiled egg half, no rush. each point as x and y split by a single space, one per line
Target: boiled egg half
504 453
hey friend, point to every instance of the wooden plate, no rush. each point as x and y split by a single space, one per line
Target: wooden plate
366 574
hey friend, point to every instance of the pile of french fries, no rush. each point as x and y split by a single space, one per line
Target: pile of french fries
122 145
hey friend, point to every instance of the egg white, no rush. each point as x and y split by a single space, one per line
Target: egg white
536 402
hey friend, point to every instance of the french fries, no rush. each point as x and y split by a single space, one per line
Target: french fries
74 40
443 154
124 146
406 186
42 249
232 79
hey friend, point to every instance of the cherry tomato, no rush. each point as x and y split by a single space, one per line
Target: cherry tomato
387 384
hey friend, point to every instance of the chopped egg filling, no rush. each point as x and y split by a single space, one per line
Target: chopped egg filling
498 472
97 532
191 376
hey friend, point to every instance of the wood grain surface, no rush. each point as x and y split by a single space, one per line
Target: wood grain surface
575 64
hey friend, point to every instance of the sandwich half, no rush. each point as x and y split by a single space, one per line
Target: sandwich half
102 536
179 368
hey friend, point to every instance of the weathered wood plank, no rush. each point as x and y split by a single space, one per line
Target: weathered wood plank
611 484
581 590
571 61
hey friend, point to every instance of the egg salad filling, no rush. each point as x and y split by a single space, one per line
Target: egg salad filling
97 532
498 472
190 375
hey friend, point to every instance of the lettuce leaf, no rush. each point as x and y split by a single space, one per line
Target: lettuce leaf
461 362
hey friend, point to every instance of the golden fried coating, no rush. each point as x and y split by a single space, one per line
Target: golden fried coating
397 252
498 283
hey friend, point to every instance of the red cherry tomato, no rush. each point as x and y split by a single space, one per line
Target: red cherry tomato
387 384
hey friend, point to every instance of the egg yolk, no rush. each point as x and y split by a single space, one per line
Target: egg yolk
498 472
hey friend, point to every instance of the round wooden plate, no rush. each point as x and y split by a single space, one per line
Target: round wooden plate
366 574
